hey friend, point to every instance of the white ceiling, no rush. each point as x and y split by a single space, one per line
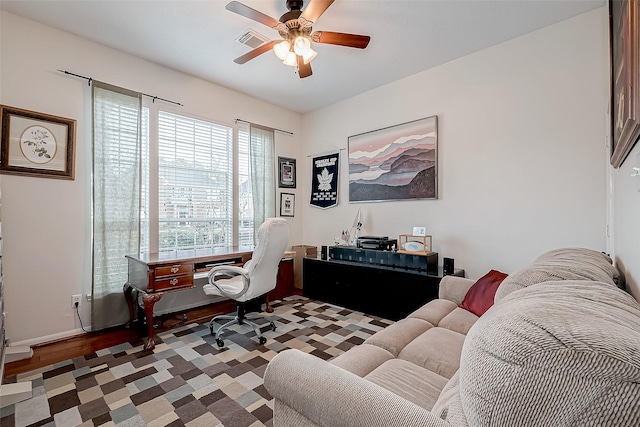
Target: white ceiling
198 38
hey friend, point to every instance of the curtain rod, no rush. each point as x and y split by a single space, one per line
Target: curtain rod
143 94
277 130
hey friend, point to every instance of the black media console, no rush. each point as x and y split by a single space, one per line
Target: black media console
381 290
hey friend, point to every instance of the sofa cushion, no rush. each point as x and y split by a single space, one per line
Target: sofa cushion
562 264
557 353
434 311
416 384
479 297
459 320
395 337
438 350
362 359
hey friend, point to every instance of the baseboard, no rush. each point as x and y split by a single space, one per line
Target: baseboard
54 337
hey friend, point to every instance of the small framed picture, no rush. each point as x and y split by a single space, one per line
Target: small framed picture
286 172
287 204
37 144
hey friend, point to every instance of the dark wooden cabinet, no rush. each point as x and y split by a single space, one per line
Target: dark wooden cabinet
387 292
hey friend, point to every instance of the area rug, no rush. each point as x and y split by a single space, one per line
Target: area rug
186 380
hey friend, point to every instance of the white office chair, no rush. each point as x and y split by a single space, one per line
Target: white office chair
254 279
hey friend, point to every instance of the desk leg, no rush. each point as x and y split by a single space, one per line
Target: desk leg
128 290
149 301
269 309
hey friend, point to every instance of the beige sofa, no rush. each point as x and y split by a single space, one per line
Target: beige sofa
560 346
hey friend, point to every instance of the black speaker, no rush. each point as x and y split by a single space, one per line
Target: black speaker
447 265
323 252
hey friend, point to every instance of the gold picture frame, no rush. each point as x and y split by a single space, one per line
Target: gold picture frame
416 245
37 144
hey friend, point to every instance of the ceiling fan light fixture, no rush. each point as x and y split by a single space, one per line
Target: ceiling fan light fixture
291 59
309 55
301 45
282 49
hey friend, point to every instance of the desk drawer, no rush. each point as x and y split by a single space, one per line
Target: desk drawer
176 282
174 270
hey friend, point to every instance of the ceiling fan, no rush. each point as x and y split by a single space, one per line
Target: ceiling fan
295 29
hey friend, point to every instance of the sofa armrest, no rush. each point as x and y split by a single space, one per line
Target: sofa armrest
454 288
330 396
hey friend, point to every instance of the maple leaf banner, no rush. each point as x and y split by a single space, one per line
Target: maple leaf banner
324 181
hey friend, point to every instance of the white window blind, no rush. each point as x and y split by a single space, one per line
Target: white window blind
195 191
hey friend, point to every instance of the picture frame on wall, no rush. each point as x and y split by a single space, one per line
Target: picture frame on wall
395 163
624 27
286 172
37 144
287 204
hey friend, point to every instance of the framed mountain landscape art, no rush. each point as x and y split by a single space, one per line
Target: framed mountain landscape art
395 163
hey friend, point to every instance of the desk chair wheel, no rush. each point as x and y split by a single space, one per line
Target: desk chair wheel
262 340
220 342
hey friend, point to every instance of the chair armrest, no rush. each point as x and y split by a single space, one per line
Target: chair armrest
331 396
229 270
454 288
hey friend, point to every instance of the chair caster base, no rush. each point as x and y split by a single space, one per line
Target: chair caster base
220 342
262 340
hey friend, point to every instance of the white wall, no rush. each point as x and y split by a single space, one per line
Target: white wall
626 223
46 222
521 156
521 149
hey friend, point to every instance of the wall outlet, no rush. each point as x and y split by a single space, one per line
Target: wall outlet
75 299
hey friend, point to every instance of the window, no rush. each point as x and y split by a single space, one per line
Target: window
195 171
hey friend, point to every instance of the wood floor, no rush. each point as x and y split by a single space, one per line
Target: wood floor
53 352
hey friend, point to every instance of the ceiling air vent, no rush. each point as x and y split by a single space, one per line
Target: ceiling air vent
252 39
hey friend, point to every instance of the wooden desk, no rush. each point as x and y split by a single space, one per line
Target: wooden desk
156 274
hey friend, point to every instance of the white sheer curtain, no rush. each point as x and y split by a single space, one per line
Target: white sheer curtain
116 199
263 183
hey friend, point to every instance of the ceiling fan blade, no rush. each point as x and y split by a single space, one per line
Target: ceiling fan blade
250 13
255 52
315 8
342 39
304 70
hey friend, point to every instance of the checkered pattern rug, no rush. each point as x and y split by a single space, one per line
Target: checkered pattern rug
186 380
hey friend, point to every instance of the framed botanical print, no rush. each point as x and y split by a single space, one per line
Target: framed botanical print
37 144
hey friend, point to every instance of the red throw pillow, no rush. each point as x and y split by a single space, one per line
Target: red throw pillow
479 297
